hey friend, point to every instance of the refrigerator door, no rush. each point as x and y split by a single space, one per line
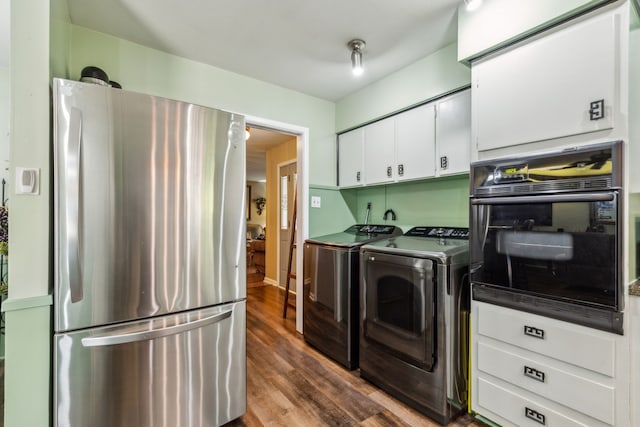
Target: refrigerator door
184 369
149 202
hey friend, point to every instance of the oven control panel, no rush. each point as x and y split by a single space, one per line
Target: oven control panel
448 232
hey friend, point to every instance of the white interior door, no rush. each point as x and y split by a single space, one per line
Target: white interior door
286 191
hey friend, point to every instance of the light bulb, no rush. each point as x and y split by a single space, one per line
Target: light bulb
472 4
356 47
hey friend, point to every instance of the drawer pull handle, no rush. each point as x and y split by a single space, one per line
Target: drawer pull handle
534 373
534 332
534 415
389 171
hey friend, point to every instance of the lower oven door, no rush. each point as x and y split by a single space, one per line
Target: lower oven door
555 255
398 306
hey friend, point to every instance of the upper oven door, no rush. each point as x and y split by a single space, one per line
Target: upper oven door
563 247
398 306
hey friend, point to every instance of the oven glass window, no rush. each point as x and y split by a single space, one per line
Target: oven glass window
559 250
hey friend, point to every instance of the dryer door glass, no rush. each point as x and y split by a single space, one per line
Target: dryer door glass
398 312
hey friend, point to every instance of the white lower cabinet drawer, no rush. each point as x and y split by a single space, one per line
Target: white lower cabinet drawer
578 345
513 407
584 395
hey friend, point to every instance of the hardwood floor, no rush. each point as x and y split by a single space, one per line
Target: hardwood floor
291 384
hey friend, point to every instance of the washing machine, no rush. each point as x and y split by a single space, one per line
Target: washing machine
414 312
331 289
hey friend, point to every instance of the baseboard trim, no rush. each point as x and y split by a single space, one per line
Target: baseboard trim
270 281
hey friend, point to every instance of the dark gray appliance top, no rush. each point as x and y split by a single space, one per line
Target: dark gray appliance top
357 235
441 243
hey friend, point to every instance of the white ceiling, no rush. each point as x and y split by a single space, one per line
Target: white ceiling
297 44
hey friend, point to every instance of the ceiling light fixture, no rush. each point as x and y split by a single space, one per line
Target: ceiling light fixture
356 46
472 4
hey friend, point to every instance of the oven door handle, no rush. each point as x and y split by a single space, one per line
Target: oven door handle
544 198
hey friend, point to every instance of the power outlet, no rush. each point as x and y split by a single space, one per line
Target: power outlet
315 201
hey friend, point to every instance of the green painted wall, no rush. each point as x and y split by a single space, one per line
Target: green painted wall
425 79
150 71
28 328
5 104
60 39
438 201
498 22
336 212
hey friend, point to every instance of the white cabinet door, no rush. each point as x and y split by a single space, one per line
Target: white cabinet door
551 87
379 143
350 158
453 134
415 141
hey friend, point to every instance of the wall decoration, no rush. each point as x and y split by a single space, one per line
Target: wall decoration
260 204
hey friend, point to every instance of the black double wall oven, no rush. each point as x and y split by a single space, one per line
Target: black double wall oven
546 234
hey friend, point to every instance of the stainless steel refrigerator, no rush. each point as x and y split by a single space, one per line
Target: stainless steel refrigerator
150 270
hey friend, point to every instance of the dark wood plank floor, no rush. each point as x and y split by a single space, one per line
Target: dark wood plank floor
291 384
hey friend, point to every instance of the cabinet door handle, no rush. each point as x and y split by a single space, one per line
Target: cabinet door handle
534 373
358 176
596 110
389 171
534 415
534 332
444 162
400 170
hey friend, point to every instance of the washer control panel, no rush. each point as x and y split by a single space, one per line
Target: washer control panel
442 232
373 229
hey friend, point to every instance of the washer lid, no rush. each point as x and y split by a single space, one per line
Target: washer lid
357 235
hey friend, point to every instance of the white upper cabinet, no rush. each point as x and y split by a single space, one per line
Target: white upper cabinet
453 134
350 158
562 84
379 158
415 142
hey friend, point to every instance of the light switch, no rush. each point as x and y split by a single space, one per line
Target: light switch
315 201
27 181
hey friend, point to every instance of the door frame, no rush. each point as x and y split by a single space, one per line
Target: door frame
302 193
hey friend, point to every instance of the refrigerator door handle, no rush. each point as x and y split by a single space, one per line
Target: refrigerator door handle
105 340
72 203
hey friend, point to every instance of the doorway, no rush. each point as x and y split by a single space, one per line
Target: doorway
296 153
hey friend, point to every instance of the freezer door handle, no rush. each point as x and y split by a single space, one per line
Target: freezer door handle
72 203
105 340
